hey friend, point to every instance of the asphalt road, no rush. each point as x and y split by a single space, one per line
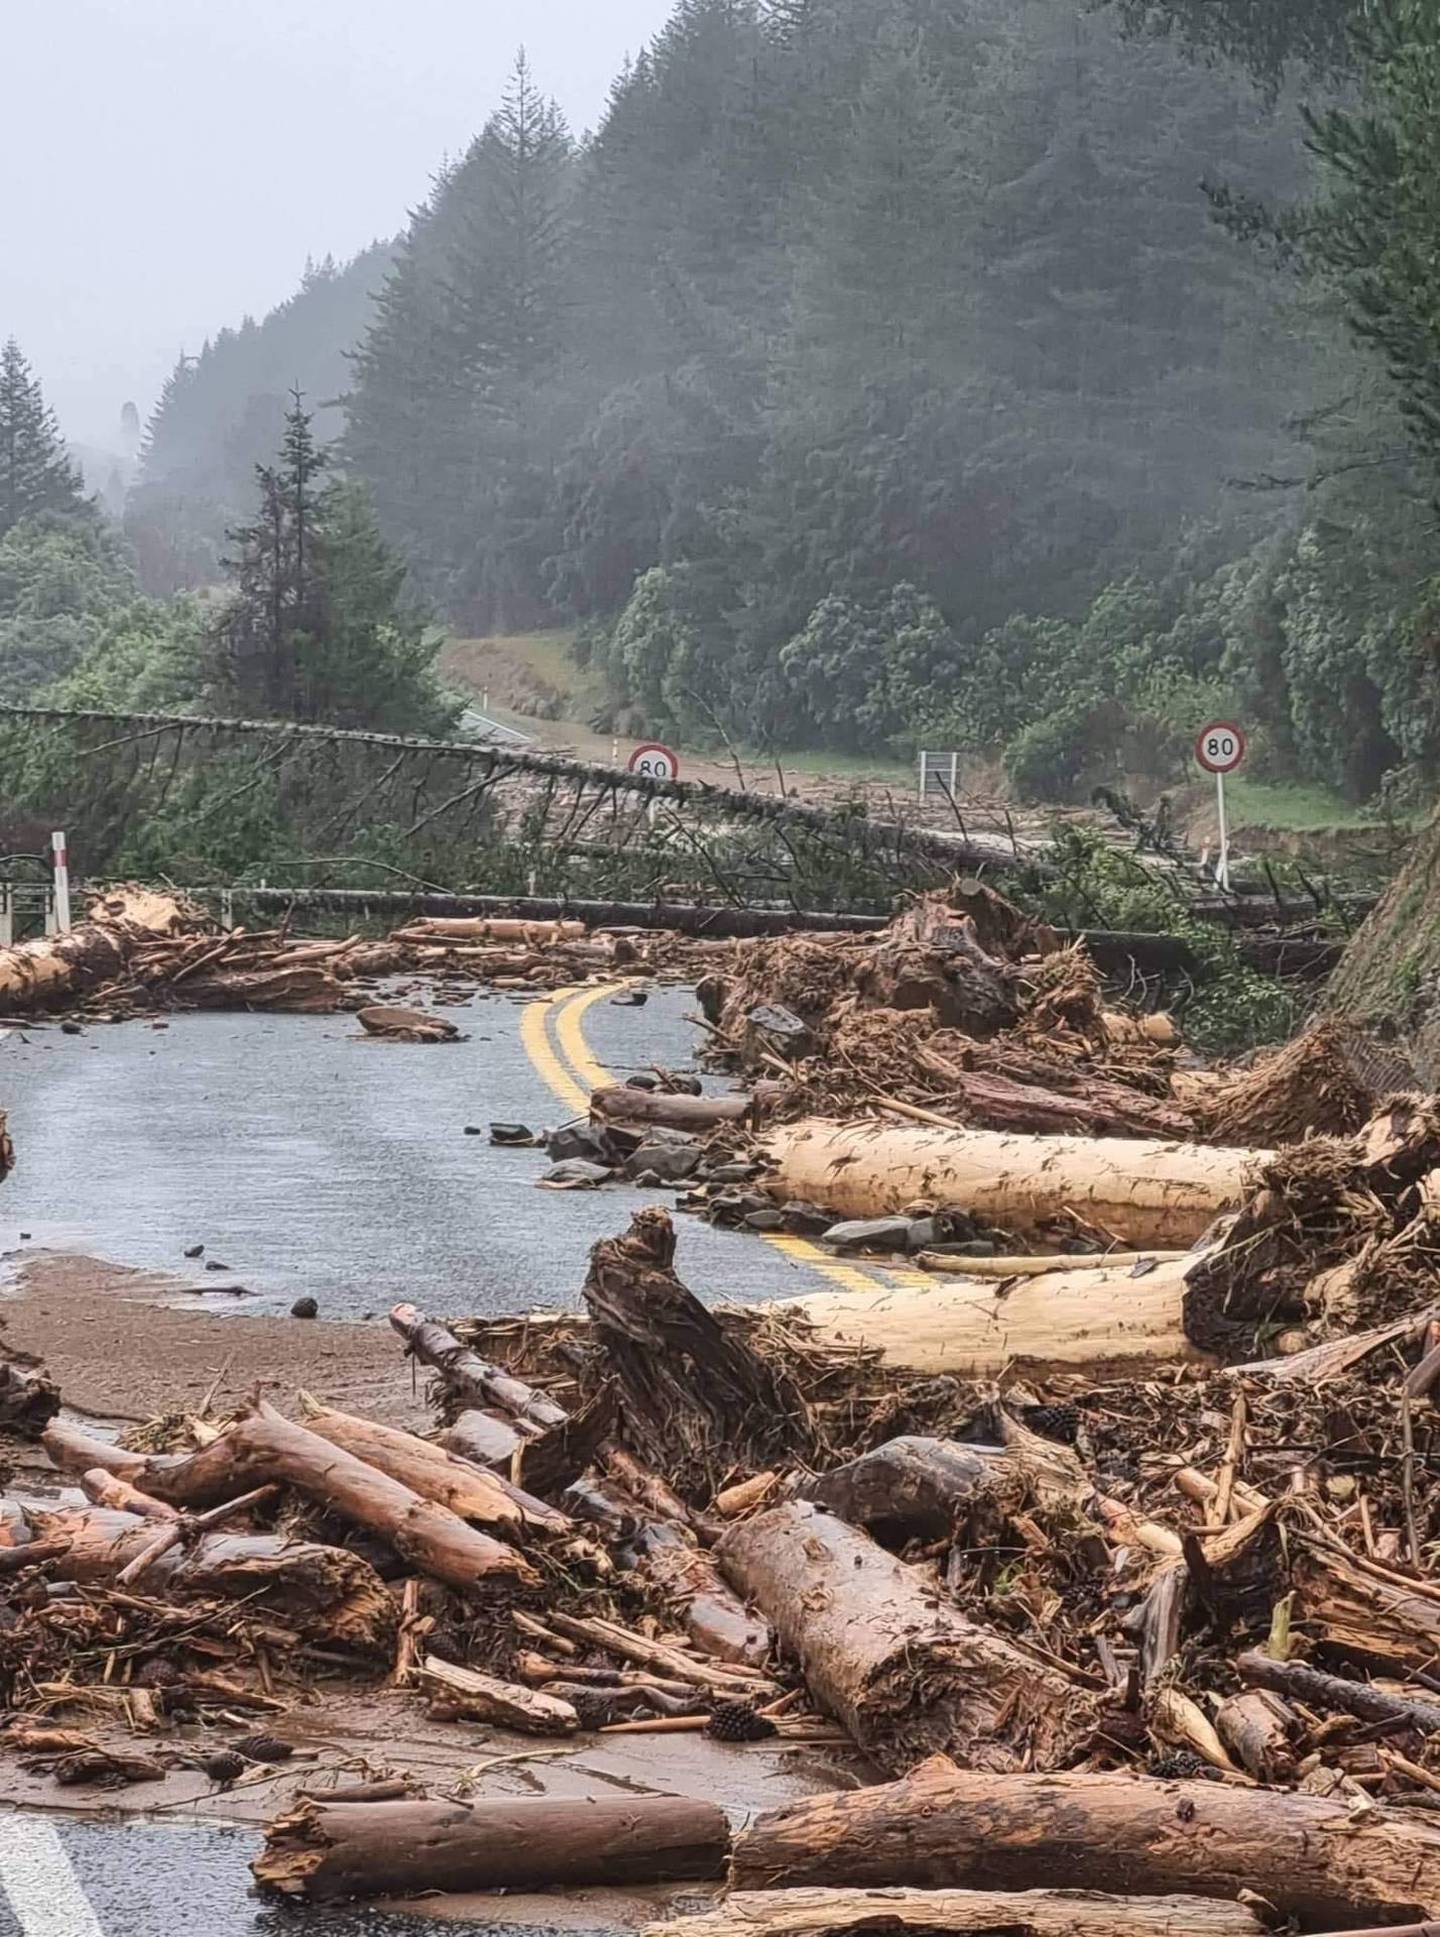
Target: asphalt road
112 1880
310 1158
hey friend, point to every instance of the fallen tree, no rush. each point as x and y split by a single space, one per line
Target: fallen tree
904 1673
942 1827
1133 1192
328 1851
1025 1913
55 968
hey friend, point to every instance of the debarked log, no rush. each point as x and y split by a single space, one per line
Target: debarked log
38 973
1025 1913
943 1827
262 1447
716 1620
468 1379
324 1852
676 1112
918 1488
326 1591
484 1698
905 1673
1136 1192
1124 1319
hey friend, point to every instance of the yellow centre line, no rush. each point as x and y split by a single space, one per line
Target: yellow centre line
565 1013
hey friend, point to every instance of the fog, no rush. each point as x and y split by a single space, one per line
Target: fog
168 165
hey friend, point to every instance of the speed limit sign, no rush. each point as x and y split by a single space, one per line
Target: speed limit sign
655 762
1220 747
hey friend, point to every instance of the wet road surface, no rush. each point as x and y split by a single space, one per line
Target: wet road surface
312 1159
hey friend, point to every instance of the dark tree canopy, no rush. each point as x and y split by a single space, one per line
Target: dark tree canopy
36 473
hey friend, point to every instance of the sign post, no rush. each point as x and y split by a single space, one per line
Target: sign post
655 762
62 883
1219 748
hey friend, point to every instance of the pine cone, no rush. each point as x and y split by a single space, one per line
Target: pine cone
157 1672
1054 1422
224 1766
1178 1765
739 1722
264 1748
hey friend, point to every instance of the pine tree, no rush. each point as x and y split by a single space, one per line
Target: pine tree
35 472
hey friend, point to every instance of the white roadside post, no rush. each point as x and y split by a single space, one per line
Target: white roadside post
1219 748
62 882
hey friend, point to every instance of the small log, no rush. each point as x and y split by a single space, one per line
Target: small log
1337 1693
667 1662
620 1103
482 1698
468 1379
918 1488
1260 1732
1039 1264
716 1620
265 1448
470 1491
328 1591
746 1496
904 1673
473 928
1145 1193
1025 1913
327 1851
1309 1856
106 1490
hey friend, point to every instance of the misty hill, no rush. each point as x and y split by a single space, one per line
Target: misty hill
222 412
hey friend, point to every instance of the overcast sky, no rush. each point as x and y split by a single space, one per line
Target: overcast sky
167 165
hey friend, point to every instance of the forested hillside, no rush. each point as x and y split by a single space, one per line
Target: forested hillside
222 412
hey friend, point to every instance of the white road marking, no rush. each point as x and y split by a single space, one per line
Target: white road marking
40 1881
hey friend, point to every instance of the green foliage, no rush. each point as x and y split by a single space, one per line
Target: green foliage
61 579
36 474
863 678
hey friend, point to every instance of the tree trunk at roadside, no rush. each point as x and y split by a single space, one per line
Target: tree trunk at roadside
883 1653
40 973
677 1112
324 1852
942 1827
1028 1913
1133 1192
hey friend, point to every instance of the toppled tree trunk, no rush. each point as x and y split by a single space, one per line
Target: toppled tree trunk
264 1447
920 1489
1320 1081
676 1112
38 974
323 1852
697 1399
307 989
1137 1193
467 1379
1026 1913
940 1826
481 1698
1124 1319
905 1673
1095 1108
435 1474
329 1592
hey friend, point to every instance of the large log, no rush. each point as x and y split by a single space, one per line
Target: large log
262 1447
943 1827
904 1672
435 1474
1122 1318
329 1592
1026 1913
917 1488
323 1852
1139 1193
38 974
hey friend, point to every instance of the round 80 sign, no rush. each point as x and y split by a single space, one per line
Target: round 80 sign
1220 747
656 762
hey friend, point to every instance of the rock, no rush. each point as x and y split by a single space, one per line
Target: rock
578 1139
642 1080
731 1173
70 1029
305 1308
576 1173
966 1248
194 1250
805 1220
921 1234
648 1180
770 1220
630 999
214 1264
869 1234
668 1163
509 1135
775 1020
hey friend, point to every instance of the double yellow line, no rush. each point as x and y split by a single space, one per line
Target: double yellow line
552 1033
